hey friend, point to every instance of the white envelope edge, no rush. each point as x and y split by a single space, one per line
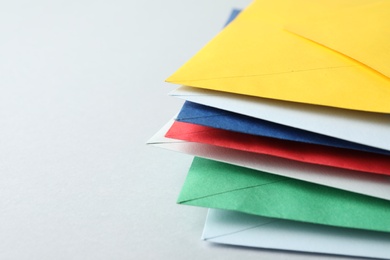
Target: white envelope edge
374 185
372 129
235 228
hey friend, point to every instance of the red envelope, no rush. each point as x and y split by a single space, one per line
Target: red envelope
303 152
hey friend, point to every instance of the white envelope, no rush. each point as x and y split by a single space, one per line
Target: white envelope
375 185
234 228
372 129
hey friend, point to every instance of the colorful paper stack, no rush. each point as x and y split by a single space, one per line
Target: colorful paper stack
287 112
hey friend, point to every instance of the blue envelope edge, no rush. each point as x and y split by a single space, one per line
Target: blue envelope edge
232 16
217 118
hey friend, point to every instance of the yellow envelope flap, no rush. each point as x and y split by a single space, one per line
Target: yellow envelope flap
256 56
360 32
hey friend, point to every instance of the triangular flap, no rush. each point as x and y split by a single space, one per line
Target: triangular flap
359 32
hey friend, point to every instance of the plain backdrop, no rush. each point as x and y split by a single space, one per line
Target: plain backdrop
81 91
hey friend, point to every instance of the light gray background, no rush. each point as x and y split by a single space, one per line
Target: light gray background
81 91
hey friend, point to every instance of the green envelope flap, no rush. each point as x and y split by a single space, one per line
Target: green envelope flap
219 185
203 175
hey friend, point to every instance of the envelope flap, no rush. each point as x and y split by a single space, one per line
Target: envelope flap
159 138
192 110
360 32
255 56
370 129
297 151
216 118
230 223
204 182
218 185
290 235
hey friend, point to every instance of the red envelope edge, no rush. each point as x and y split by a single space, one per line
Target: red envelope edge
303 152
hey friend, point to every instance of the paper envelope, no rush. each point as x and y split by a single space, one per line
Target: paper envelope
219 185
234 228
297 151
369 184
254 55
233 14
221 119
371 129
359 32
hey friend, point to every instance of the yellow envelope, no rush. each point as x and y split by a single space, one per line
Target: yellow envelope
256 56
362 33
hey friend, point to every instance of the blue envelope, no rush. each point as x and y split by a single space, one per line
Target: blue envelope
213 117
232 16
235 228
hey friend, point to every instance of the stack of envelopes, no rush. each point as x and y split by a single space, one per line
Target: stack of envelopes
287 112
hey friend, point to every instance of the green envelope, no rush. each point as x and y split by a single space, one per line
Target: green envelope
219 185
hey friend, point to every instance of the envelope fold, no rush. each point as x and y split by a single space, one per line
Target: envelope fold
374 185
359 32
209 183
221 119
297 151
255 56
234 228
371 129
